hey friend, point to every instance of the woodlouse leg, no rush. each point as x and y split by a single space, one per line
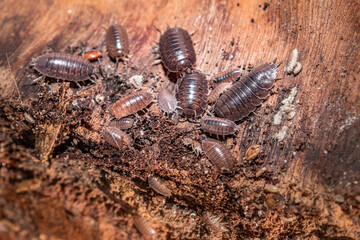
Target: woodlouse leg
38 78
116 65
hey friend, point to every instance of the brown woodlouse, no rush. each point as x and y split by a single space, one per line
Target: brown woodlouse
215 223
167 101
218 90
143 226
243 97
115 137
192 94
124 123
218 154
229 76
176 50
217 126
131 104
91 56
117 42
64 66
252 152
158 186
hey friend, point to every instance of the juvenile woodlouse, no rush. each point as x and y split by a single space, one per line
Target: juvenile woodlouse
167 101
131 104
252 152
218 90
195 145
176 50
117 42
218 154
115 137
124 123
91 56
214 222
217 126
158 186
243 97
228 75
192 94
64 66
143 226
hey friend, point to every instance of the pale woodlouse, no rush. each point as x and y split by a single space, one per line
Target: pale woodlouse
167 101
192 94
218 154
215 222
117 42
123 123
116 137
158 185
229 76
131 104
243 97
195 145
217 126
64 66
143 226
176 50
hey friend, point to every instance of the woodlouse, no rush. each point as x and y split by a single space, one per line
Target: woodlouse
214 222
167 101
243 97
157 184
252 152
91 56
228 75
218 90
143 226
124 123
195 145
117 42
217 126
192 94
218 154
64 66
131 104
177 50
115 137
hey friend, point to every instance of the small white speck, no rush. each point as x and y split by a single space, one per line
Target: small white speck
69 11
326 152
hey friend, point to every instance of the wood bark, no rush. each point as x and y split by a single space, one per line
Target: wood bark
60 180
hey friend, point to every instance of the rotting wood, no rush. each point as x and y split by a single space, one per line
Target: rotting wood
314 165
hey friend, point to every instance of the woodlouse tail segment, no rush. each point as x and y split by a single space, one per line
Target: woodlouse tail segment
143 226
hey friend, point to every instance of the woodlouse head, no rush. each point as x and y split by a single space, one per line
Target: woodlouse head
184 65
